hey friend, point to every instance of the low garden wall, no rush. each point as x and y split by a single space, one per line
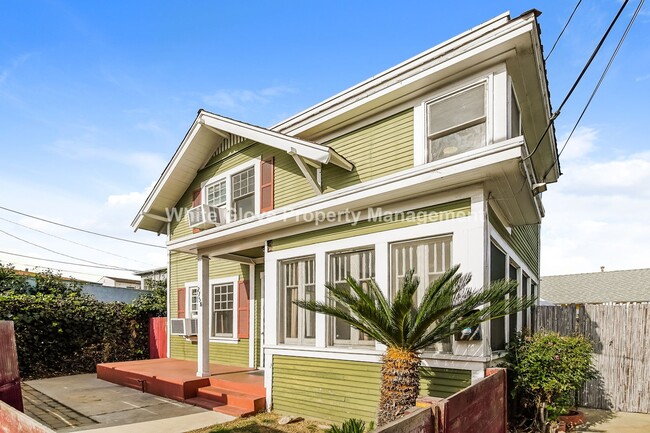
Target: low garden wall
12 421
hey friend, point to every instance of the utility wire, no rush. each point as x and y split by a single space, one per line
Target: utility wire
563 29
575 84
81 230
65 255
74 242
64 262
600 81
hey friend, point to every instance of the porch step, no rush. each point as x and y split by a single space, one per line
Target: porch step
242 382
233 398
205 403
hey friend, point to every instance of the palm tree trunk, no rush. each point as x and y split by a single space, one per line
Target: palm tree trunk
400 383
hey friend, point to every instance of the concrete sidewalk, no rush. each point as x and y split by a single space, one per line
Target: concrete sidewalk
105 407
603 421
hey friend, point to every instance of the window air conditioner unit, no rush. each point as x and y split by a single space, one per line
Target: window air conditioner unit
205 216
184 327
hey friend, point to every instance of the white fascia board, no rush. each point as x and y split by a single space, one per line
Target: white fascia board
169 170
306 149
364 194
397 76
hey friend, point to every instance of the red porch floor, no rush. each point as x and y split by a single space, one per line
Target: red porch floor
233 390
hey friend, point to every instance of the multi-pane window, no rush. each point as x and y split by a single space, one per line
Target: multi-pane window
456 123
194 301
222 309
429 258
243 193
215 193
297 325
359 265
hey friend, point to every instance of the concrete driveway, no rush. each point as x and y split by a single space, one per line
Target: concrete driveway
604 421
85 403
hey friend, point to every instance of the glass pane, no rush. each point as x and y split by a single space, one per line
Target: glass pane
291 330
457 142
456 110
515 117
245 207
216 194
223 321
243 183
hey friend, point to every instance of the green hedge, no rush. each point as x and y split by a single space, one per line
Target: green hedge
60 335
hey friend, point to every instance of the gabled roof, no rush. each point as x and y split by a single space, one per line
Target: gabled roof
200 142
598 287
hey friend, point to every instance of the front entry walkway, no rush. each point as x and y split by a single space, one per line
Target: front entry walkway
230 390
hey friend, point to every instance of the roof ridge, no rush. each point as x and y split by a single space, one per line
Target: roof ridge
597 273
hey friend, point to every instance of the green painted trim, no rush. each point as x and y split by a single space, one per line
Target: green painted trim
440 212
524 240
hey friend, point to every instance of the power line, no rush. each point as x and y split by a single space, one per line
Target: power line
563 29
74 242
81 230
575 84
600 81
64 262
65 255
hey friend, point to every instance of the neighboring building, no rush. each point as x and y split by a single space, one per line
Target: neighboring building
611 287
156 274
435 161
99 291
125 283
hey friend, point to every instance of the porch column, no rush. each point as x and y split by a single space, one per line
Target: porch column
203 355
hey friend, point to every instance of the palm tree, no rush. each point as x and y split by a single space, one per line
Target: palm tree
447 307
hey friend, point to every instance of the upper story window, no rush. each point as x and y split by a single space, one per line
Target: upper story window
515 116
359 265
243 193
456 123
215 194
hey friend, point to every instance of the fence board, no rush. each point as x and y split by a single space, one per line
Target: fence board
621 337
157 337
10 391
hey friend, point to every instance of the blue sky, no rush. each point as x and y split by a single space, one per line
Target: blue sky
96 96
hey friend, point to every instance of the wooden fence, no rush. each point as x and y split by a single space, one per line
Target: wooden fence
621 337
10 391
157 337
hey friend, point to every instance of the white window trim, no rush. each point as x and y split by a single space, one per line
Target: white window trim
512 92
234 280
235 314
301 340
227 177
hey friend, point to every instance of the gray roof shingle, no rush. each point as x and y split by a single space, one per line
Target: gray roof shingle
598 287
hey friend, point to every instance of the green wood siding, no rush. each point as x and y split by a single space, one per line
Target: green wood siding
183 269
444 211
220 353
335 390
524 240
376 150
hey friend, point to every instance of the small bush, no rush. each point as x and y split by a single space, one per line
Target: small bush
352 425
546 371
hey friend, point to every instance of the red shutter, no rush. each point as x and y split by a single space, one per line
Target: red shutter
243 309
266 184
196 197
181 302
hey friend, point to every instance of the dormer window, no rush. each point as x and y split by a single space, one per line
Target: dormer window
243 193
236 191
456 123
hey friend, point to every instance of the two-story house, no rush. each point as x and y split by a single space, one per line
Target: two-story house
436 161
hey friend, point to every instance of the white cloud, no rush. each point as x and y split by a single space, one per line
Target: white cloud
239 99
597 213
582 143
129 198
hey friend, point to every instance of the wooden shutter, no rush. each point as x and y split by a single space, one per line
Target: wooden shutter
243 309
196 197
181 302
266 184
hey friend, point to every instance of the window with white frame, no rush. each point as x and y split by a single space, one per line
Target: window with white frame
243 193
194 301
297 282
515 115
429 258
456 123
223 309
359 265
215 193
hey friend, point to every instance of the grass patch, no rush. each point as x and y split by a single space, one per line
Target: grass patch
262 423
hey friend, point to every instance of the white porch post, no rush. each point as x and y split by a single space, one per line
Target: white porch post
203 355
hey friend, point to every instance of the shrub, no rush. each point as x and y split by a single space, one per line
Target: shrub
546 370
352 425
